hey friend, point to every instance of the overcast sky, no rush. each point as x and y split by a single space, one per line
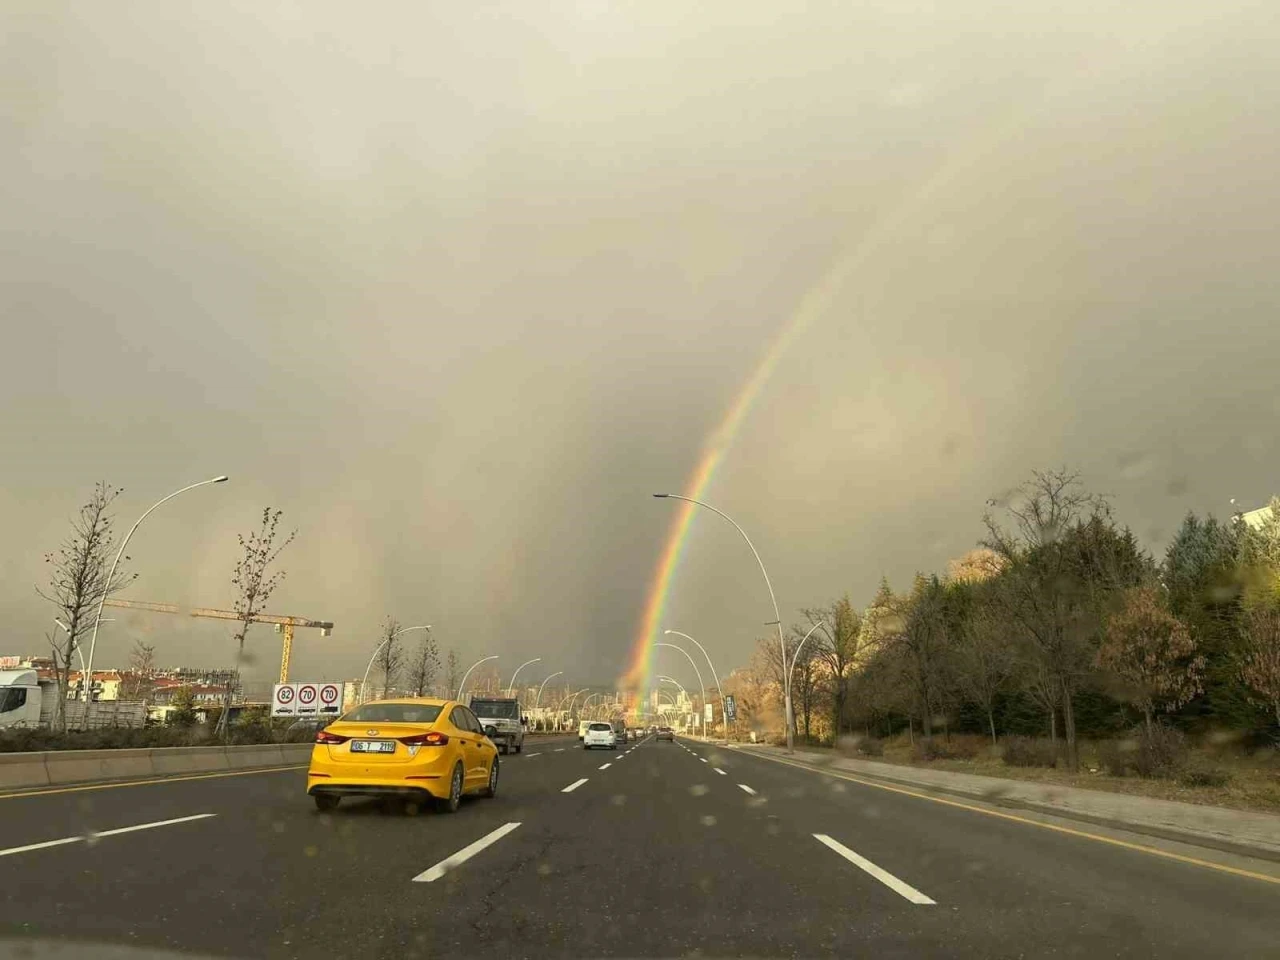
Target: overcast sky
457 286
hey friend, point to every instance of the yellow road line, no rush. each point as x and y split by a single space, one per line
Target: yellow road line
143 783
1141 848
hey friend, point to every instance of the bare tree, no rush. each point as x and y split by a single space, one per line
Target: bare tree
840 649
1047 594
453 673
982 657
78 584
254 586
424 666
140 679
390 659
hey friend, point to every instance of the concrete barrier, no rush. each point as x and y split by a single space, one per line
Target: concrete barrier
57 767
172 760
77 766
23 770
254 755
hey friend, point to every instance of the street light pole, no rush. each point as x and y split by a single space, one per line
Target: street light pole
106 585
777 617
538 698
517 673
79 652
724 717
694 664
794 657
378 649
463 684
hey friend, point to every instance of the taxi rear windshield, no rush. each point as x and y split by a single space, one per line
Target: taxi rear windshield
394 713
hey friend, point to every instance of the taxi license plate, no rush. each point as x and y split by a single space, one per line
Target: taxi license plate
373 746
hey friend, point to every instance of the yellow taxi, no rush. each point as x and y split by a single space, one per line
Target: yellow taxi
416 749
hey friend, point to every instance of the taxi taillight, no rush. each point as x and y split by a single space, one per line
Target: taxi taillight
324 736
432 739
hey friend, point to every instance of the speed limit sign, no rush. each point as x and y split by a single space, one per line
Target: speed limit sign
329 694
307 696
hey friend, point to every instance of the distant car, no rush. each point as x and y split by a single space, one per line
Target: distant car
600 734
666 733
582 728
620 730
414 749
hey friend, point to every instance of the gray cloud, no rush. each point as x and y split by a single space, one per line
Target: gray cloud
457 289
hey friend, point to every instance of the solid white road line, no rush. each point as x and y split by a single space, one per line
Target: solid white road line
103 833
574 786
747 789
604 766
465 854
157 823
719 771
862 863
40 846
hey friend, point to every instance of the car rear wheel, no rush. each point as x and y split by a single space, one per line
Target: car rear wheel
451 803
492 789
325 803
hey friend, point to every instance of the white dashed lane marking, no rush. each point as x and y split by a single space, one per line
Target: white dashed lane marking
463 855
604 766
719 771
862 863
574 786
746 789
104 833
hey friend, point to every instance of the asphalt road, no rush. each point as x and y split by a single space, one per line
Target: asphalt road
659 854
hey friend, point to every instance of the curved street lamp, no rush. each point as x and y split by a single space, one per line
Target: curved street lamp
795 656
378 649
106 584
693 663
777 617
724 717
512 685
544 683
468 673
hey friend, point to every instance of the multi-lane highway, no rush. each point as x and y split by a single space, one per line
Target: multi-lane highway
661 849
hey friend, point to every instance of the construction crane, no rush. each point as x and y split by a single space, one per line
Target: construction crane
283 624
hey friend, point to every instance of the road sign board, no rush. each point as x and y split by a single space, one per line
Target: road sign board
308 693
708 712
730 708
284 700
329 696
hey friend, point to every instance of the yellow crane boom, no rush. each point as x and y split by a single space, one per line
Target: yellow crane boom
284 624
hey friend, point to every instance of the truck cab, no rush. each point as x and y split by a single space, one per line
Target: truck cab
502 721
19 698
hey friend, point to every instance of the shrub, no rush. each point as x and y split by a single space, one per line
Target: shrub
1029 752
870 747
1162 752
959 748
1204 777
1158 752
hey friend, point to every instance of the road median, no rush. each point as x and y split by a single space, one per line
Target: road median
1241 832
20 771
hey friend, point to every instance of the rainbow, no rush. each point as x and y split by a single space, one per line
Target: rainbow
815 303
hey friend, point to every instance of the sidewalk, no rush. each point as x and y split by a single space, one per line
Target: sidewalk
1236 831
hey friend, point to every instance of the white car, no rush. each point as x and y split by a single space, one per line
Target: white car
600 734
